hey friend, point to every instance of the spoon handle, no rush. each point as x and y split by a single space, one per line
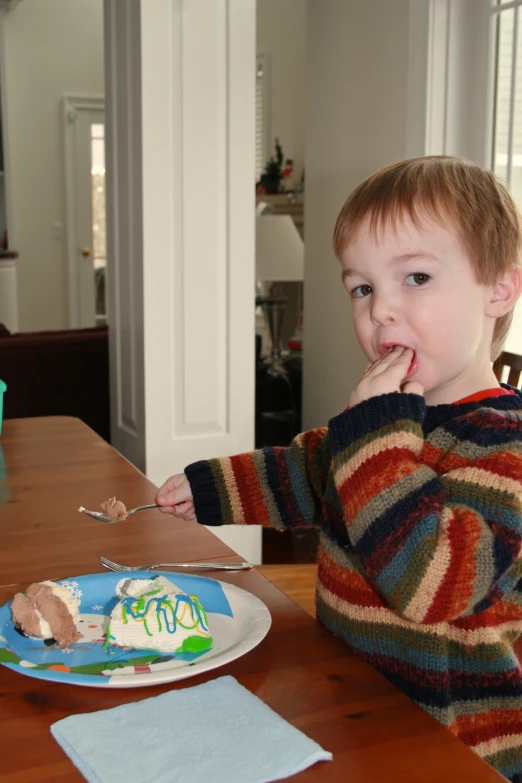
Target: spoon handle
141 508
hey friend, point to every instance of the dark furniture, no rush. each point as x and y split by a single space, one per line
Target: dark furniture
278 421
514 364
278 404
57 373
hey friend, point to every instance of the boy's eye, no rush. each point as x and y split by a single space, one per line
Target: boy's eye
360 291
418 278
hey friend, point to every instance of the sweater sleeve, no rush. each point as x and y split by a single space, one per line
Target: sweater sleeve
437 542
277 486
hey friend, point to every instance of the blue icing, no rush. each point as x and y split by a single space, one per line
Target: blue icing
162 604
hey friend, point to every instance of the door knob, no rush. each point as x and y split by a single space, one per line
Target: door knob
86 252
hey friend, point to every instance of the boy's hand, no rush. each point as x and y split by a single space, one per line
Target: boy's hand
387 375
175 497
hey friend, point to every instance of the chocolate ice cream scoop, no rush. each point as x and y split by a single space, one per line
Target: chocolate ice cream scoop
47 611
115 510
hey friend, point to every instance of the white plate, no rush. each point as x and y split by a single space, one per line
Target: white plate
237 620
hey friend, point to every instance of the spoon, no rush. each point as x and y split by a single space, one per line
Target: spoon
104 518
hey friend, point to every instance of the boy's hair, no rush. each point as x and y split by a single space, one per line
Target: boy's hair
445 188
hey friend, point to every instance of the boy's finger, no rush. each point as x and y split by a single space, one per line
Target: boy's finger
170 485
168 499
389 357
406 353
395 355
378 361
398 358
167 509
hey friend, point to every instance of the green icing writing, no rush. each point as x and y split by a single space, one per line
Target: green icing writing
198 603
108 637
154 591
146 628
141 609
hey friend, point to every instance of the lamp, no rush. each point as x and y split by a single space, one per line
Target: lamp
279 257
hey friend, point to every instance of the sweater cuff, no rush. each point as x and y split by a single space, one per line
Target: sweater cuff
204 493
374 414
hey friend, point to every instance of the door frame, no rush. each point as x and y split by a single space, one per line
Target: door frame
72 105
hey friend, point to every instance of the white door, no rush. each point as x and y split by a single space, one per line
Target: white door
180 98
85 196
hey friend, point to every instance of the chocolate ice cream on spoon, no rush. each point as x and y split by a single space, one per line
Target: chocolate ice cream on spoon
114 511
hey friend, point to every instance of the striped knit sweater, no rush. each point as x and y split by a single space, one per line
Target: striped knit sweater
420 566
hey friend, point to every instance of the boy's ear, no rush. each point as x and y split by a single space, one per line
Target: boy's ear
505 292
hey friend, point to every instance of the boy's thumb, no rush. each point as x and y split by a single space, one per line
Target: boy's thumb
168 499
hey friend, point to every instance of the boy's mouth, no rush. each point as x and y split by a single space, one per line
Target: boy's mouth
385 347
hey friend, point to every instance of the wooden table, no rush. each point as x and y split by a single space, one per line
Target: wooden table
50 466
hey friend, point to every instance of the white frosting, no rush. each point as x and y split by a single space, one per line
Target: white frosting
165 625
45 629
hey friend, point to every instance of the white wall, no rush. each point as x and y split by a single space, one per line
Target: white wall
52 47
281 31
357 108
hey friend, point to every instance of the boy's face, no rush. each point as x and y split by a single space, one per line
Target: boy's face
416 288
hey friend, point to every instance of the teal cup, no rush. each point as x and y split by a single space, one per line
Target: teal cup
3 387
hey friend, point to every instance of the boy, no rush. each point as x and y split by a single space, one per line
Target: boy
417 486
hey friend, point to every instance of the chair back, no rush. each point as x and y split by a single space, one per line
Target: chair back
514 362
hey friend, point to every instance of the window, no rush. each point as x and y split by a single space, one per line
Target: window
507 119
262 104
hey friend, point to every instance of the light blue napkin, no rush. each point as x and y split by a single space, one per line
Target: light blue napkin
217 732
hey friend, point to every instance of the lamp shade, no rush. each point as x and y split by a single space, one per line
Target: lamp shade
279 249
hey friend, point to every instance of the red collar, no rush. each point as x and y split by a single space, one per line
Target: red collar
482 395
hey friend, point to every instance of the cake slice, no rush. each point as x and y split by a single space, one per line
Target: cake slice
154 614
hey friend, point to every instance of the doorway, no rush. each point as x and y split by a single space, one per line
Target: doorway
84 120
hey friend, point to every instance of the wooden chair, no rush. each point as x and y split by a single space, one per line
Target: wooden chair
514 362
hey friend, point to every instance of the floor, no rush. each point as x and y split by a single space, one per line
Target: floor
297 581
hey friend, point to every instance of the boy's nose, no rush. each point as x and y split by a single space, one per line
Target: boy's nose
382 311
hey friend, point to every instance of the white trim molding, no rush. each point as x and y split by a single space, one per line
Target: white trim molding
5 184
438 76
124 205
450 91
263 62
